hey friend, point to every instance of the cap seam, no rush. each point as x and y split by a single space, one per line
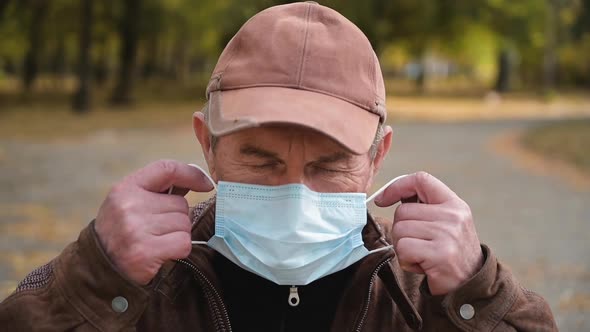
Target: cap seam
261 85
373 71
300 71
235 51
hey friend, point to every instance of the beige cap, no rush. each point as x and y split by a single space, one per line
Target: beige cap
302 64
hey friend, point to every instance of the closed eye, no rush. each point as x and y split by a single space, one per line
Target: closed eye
326 169
267 165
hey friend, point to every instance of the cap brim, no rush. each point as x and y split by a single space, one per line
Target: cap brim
348 124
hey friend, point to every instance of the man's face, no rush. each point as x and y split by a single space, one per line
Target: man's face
277 155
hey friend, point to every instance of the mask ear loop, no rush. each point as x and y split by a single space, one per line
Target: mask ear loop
382 189
214 187
372 197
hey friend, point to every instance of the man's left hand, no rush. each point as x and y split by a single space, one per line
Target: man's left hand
435 237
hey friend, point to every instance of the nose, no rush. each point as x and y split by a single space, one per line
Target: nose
292 174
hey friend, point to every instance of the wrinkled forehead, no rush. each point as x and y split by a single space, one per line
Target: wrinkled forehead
280 136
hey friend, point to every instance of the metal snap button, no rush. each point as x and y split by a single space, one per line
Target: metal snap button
119 304
467 311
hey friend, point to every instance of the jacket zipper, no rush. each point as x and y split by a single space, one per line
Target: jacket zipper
366 308
214 299
293 296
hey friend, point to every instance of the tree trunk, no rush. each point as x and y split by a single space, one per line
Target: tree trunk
503 76
549 56
101 71
81 102
31 60
3 5
150 66
422 76
129 32
58 63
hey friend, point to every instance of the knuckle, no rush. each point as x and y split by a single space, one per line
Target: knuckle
182 204
404 251
457 215
450 252
117 188
401 247
187 225
462 205
128 229
463 215
135 255
185 245
122 207
399 228
454 233
422 177
167 166
400 212
458 212
183 223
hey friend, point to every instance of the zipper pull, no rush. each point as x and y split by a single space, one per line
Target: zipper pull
293 296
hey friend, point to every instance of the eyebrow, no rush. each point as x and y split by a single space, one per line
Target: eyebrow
338 156
251 150
255 151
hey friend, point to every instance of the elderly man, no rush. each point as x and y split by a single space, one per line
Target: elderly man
293 134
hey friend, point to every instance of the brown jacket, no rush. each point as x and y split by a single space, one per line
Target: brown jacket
80 290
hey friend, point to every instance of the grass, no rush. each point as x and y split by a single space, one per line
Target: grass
568 141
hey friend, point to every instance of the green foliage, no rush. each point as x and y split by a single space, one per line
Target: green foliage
181 39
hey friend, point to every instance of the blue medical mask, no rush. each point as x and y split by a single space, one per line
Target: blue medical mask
289 234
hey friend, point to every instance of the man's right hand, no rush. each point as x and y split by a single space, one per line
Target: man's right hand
140 227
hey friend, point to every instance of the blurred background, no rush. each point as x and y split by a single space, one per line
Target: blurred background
491 96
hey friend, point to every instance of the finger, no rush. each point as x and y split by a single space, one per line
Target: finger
162 224
175 245
425 212
159 176
413 199
162 203
423 230
176 191
413 251
414 268
429 189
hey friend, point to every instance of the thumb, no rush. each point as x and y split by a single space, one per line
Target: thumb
159 176
429 190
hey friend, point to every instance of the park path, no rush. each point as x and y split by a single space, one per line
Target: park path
537 224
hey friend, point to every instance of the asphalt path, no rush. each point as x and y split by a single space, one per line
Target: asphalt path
537 223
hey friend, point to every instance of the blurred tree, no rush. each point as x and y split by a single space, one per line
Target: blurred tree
3 5
105 40
579 66
504 72
129 32
81 101
506 44
39 9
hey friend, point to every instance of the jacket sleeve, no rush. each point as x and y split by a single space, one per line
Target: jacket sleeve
78 290
492 300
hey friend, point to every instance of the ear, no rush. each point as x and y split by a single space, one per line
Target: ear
204 137
382 149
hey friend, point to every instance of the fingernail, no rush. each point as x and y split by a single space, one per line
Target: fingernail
378 198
